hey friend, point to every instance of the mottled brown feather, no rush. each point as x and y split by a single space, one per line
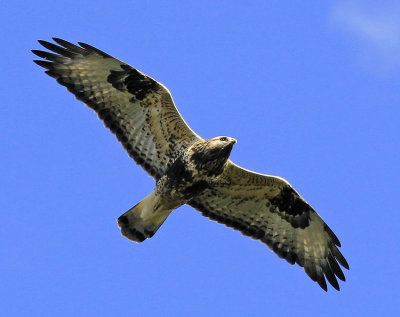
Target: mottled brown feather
136 108
250 202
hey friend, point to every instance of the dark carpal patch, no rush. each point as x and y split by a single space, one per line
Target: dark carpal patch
289 202
292 207
131 80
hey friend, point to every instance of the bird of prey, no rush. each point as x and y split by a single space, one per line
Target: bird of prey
189 169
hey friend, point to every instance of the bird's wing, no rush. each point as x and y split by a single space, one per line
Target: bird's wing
135 107
268 209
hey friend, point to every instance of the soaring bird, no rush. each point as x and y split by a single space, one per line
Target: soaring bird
189 169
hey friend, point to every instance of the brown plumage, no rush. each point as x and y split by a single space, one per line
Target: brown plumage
188 169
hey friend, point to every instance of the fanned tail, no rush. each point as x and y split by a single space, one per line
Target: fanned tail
143 220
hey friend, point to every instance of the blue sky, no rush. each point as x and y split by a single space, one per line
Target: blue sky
311 92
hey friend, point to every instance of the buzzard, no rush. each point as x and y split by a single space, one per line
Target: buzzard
189 169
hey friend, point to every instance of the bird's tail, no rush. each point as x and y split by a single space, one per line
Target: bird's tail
143 220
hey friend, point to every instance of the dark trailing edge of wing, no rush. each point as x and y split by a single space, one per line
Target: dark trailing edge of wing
65 54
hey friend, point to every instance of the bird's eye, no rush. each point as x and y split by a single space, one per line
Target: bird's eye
223 139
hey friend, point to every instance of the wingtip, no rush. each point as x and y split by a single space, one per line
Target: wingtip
93 49
345 264
332 235
322 284
44 64
59 40
43 42
39 53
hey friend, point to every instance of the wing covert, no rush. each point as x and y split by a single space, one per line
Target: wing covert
136 108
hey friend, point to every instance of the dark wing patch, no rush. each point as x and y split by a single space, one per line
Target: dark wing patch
291 207
268 209
129 79
135 107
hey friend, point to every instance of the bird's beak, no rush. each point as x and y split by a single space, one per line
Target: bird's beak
233 140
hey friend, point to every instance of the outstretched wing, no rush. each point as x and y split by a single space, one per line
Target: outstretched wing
267 208
135 107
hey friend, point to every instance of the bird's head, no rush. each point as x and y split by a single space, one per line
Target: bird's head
212 154
220 143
